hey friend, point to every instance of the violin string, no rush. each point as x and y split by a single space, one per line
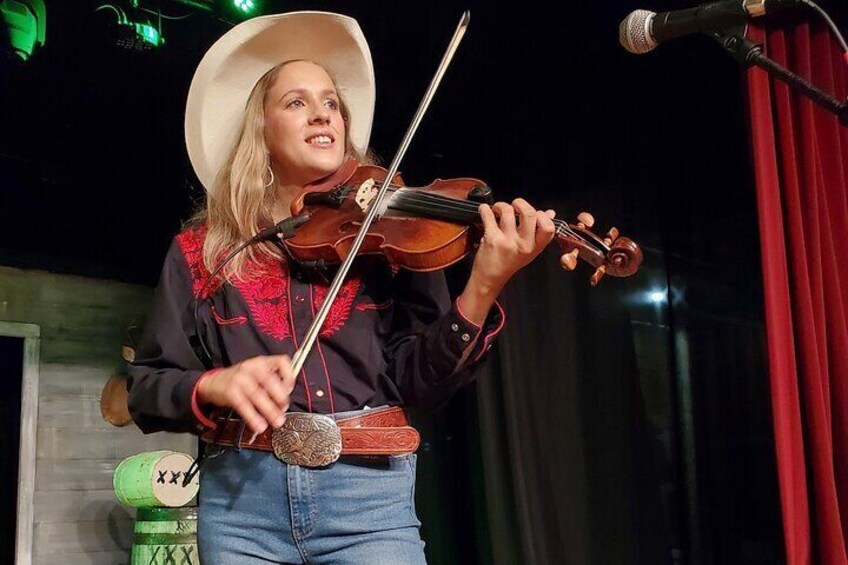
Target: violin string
459 205
446 203
467 205
451 204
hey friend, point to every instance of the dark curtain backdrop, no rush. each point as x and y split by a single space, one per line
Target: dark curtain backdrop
568 410
613 430
801 157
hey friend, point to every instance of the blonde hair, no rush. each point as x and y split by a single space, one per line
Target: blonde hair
243 195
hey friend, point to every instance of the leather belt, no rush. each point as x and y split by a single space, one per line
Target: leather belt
315 440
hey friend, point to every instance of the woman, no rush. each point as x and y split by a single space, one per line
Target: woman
393 338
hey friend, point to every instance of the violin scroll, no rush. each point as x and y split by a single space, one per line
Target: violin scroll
611 255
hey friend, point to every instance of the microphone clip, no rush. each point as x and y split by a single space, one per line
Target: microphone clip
283 229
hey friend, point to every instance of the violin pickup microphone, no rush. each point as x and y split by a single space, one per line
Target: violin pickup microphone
283 229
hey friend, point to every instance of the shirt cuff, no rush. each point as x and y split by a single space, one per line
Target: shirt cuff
470 341
195 407
491 328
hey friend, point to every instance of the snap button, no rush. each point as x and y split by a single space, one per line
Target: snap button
466 337
319 393
299 298
455 327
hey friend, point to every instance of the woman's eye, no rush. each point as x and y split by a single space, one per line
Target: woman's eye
332 104
294 103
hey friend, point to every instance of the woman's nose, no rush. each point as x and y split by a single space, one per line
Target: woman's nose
320 115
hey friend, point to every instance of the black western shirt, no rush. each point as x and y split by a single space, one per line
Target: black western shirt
393 337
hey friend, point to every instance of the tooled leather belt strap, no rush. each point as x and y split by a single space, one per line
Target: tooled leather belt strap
315 440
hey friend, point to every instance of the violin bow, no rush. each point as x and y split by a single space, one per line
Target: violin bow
377 207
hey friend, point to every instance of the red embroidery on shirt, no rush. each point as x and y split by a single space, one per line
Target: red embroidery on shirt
265 293
263 288
340 310
191 244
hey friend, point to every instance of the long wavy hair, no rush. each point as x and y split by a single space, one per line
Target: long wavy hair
243 195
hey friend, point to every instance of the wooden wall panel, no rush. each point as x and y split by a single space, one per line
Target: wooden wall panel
83 322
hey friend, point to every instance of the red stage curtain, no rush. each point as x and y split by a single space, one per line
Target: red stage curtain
801 164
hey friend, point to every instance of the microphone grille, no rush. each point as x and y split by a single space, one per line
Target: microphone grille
634 32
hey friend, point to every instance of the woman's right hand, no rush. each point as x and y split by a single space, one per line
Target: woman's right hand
257 388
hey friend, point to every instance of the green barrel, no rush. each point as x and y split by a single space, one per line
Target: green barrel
165 536
155 479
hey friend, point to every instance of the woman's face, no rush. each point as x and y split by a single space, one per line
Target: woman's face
304 130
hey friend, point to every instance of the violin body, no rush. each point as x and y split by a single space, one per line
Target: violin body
415 242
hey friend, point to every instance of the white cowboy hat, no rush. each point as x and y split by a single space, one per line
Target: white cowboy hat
232 66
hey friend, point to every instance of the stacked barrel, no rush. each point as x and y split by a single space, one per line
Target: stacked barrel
160 485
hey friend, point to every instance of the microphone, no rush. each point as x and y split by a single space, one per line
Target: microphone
643 30
285 228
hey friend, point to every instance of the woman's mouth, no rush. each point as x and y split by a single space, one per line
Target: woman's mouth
321 140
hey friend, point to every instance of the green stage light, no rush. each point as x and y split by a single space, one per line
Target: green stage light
149 34
25 21
246 6
140 36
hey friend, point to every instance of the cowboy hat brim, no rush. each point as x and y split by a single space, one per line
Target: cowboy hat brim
228 72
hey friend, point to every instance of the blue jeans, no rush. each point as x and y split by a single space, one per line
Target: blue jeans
255 509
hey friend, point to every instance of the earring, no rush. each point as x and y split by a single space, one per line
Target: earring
270 174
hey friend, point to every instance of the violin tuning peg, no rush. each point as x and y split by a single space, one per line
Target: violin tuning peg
611 237
585 220
599 274
569 260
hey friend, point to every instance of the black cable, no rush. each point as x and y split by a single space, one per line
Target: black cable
166 16
830 23
284 229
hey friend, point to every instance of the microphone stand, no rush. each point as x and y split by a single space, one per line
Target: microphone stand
750 54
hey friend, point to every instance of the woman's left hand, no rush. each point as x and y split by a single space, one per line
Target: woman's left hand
508 244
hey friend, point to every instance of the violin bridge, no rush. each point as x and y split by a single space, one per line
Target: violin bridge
365 195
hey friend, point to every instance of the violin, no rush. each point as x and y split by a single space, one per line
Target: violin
428 228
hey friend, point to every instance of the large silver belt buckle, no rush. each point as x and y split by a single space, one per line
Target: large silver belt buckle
308 440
